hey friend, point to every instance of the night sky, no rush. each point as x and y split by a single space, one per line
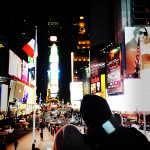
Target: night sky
37 12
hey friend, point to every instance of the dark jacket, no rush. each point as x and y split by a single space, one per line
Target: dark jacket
123 138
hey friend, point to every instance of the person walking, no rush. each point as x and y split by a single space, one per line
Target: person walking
15 144
41 135
105 130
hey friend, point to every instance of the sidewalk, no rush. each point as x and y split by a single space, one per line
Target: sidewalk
25 143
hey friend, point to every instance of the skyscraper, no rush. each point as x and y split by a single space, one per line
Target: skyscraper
54 29
81 54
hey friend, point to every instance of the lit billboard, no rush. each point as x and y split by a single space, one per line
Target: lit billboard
131 43
76 90
31 71
15 65
53 72
86 81
114 80
19 91
12 91
25 71
98 71
3 97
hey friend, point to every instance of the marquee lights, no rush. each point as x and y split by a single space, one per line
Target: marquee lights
53 38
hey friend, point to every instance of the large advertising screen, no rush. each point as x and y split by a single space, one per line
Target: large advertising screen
132 34
76 87
15 64
3 97
19 91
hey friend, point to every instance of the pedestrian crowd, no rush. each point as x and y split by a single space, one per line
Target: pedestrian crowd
104 130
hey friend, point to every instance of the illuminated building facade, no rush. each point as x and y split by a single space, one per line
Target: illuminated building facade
81 54
54 29
80 66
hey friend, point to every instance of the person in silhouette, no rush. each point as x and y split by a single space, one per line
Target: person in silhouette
15 144
69 138
105 130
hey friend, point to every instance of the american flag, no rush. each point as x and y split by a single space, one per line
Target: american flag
136 63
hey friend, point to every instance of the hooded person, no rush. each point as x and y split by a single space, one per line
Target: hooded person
69 138
105 130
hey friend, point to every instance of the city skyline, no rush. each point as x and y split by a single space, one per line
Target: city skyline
22 27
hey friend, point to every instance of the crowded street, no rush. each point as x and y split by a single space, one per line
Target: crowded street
50 119
75 76
48 139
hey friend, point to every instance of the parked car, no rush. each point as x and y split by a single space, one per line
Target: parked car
129 119
141 122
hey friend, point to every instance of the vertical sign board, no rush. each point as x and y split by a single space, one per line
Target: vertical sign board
86 81
103 87
15 65
98 71
0 95
25 71
114 80
4 97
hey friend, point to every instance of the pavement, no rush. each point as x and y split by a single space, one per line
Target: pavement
25 143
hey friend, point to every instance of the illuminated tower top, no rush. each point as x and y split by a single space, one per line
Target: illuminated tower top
81 54
82 25
83 39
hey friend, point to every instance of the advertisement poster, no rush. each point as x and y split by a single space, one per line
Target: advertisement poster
26 94
0 95
25 71
76 89
114 81
31 71
12 91
93 89
4 97
97 66
98 71
132 34
19 91
86 81
15 65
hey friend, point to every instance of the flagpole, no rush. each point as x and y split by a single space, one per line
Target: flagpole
142 87
34 112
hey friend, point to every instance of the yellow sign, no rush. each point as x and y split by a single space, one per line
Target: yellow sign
103 89
1 46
